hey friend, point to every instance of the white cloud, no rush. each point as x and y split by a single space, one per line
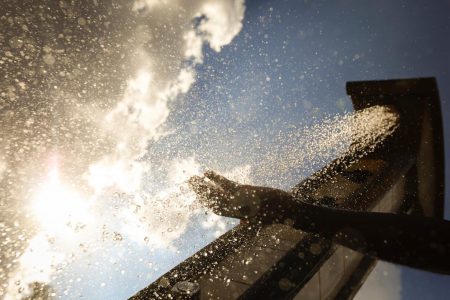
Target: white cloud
37 264
100 141
194 44
223 21
160 79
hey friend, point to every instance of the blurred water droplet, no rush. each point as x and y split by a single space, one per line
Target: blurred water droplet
117 236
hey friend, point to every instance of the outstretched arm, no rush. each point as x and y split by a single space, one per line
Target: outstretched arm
413 241
231 199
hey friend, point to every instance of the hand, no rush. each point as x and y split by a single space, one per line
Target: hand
225 197
231 199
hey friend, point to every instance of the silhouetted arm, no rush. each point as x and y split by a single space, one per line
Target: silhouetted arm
413 241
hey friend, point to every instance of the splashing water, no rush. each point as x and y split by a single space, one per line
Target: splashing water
80 206
159 220
306 150
63 98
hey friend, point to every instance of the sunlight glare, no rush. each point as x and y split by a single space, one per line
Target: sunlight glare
59 209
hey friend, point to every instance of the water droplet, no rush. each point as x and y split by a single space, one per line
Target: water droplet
117 236
315 249
49 59
81 21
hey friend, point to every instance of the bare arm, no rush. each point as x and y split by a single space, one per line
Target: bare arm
409 240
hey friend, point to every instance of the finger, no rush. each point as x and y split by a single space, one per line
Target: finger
208 192
212 196
200 184
224 182
196 183
201 187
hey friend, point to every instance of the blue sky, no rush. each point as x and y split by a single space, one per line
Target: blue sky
286 70
288 67
282 72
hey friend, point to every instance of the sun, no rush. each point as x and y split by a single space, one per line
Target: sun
59 209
